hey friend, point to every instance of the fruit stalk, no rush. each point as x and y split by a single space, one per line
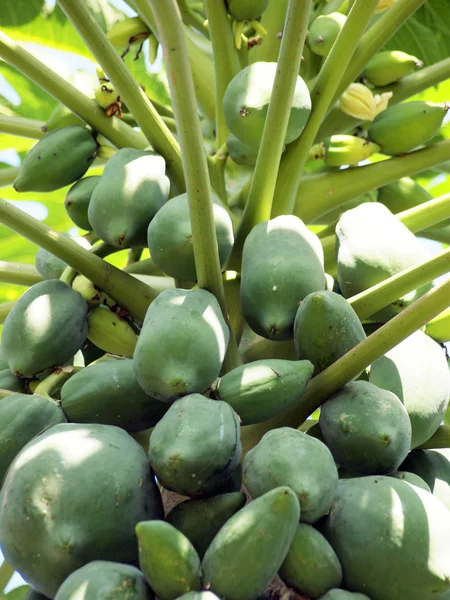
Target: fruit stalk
272 20
21 126
264 179
18 274
296 155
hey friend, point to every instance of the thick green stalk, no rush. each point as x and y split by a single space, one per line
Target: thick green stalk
351 364
320 193
440 439
5 309
263 183
226 61
21 126
8 175
272 20
58 377
18 273
118 133
194 157
147 117
130 293
296 155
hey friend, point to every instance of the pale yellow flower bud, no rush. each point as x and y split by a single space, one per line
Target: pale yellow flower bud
382 101
357 101
384 4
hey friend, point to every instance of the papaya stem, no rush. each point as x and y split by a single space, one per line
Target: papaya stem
21 126
264 179
8 175
130 293
194 157
192 18
440 439
5 309
329 381
18 273
272 20
226 61
143 267
60 375
322 94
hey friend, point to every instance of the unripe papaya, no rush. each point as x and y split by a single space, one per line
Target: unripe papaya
199 596
8 381
311 566
104 580
108 393
326 327
61 117
411 478
90 292
127 32
50 266
178 319
416 371
3 362
110 332
433 466
200 520
439 327
286 456
77 201
338 594
366 428
264 389
94 481
131 190
241 153
282 263
377 526
390 66
246 10
246 102
403 127
403 194
169 238
335 214
44 329
58 159
251 546
196 445
324 31
168 560
342 150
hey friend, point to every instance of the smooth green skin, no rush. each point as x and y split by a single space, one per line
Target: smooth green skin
264 389
232 484
439 327
416 371
286 456
3 362
334 215
337 594
168 560
104 580
281 265
411 478
45 328
23 417
347 149
198 596
182 344
241 153
77 201
366 428
131 190
200 520
108 393
110 331
196 445
392 539
433 466
324 31
251 546
311 566
246 102
325 328
8 381
95 482
48 265
58 159
402 127
246 10
390 66
169 238
61 117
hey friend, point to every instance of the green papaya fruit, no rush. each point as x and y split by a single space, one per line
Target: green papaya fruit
196 445
332 216
58 159
90 292
108 393
282 263
126 32
175 319
94 482
8 381
325 328
241 153
199 596
411 478
286 456
23 417
439 327
416 371
264 389
232 484
391 538
246 102
104 580
338 594
44 329
433 466
61 117
169 238
251 546
111 332
324 31
33 595
366 428
168 560
78 198
371 246
311 566
131 190
50 266
3 362
342 149
200 520
405 126
390 66
246 10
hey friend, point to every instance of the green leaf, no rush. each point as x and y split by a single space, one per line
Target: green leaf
17 593
34 102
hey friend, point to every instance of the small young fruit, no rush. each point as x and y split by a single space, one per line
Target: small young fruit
324 31
390 66
61 117
108 331
246 10
127 32
347 150
77 201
